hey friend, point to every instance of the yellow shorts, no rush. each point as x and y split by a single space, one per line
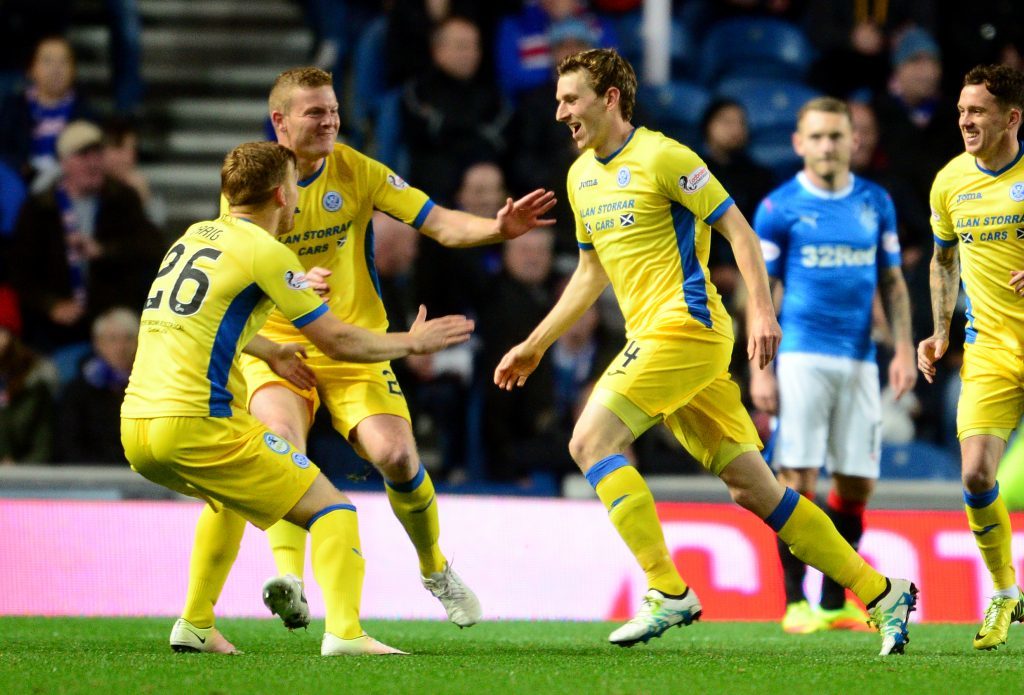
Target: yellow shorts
992 394
682 380
351 392
234 460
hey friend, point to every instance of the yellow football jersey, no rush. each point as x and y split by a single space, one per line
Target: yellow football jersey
983 212
333 230
647 211
214 290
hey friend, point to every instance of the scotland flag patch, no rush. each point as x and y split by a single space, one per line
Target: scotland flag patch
627 220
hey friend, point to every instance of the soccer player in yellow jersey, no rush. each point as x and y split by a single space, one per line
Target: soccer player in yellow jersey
339 189
977 204
184 423
644 207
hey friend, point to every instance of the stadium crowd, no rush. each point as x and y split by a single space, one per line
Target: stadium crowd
466 111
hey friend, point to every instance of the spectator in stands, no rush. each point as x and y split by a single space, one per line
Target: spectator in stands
409 46
724 148
854 37
22 25
82 246
451 280
577 359
543 154
906 113
520 433
872 160
27 381
125 27
12 195
121 162
31 119
992 32
435 386
452 113
89 409
523 46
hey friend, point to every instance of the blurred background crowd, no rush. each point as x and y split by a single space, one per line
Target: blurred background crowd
115 114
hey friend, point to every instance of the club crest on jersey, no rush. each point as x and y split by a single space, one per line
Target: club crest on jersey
397 182
275 443
297 281
695 180
332 201
1017 192
300 460
624 177
627 220
868 218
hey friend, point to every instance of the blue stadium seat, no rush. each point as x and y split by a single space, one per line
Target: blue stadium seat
369 78
754 47
388 145
919 460
629 29
770 103
771 106
675 108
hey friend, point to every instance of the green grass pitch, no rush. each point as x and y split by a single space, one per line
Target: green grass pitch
99 655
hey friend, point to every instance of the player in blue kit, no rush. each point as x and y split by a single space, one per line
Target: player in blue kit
829 241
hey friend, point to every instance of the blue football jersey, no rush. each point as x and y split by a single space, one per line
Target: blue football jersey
828 247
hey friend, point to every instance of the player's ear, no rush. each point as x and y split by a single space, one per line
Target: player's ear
1015 116
797 143
277 119
280 196
611 98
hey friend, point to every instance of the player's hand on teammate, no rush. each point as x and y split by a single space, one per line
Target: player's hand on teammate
764 391
317 279
517 364
437 334
763 341
520 216
902 371
1017 282
288 362
929 351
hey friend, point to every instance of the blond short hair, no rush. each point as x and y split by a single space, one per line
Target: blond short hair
252 172
288 81
824 105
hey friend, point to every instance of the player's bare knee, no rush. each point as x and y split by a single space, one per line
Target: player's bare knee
978 480
397 462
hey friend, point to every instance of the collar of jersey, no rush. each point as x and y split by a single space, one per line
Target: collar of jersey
615 154
312 177
806 184
1020 151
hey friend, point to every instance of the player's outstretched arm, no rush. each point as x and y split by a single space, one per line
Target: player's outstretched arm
896 302
763 331
286 359
944 278
459 229
343 341
582 290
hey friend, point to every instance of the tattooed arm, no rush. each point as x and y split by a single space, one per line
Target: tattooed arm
945 285
896 302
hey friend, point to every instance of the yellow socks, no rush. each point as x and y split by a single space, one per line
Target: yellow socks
288 543
813 539
217 540
414 504
339 567
631 510
990 523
